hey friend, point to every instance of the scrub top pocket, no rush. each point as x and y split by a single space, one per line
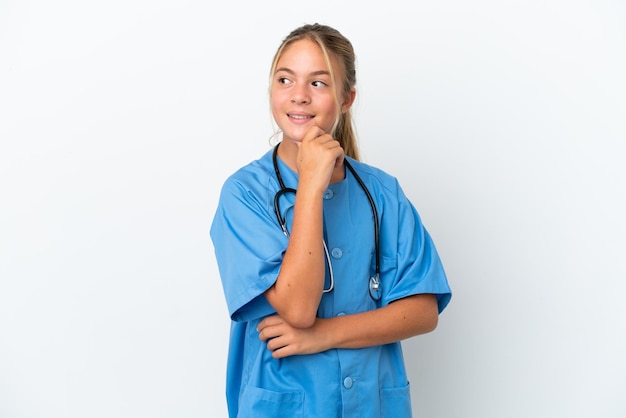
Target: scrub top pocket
262 403
395 402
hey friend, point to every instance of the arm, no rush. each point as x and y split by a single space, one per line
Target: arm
399 320
298 289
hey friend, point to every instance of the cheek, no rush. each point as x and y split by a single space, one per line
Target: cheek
273 106
331 112
276 100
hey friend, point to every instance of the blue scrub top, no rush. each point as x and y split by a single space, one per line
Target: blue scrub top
249 246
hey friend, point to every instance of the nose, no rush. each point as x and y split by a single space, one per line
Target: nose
300 95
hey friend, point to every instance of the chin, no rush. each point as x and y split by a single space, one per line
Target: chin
295 140
296 137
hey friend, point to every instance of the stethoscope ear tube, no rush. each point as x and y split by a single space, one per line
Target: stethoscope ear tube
283 225
281 221
376 278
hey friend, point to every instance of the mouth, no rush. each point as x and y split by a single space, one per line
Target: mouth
299 117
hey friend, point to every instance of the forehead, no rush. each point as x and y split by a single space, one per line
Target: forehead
305 54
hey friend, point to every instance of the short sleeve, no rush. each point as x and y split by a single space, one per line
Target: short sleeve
417 267
248 245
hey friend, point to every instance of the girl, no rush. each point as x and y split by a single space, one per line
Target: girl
321 284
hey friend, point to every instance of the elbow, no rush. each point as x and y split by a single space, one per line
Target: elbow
297 312
426 313
431 323
300 318
430 319
424 325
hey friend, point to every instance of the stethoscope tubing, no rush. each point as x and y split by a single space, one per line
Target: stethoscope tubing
374 284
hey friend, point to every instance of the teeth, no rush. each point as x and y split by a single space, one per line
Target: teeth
300 117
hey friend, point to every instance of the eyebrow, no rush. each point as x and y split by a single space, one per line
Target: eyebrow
314 73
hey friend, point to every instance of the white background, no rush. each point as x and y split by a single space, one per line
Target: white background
119 121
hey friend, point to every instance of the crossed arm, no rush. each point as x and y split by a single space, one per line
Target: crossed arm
399 320
298 289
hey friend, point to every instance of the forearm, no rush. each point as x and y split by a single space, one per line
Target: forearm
298 289
397 321
401 319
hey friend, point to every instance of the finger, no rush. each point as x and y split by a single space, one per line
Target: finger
270 320
313 133
269 332
282 352
276 343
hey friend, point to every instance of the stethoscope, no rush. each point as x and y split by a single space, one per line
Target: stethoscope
375 289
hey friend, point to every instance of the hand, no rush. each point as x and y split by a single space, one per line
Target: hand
284 340
318 155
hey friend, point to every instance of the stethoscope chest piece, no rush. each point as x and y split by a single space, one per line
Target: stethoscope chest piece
375 289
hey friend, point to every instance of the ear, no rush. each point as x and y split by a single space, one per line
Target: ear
348 101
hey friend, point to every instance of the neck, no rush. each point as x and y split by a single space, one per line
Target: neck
288 152
339 173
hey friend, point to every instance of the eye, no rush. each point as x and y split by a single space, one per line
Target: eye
319 84
283 80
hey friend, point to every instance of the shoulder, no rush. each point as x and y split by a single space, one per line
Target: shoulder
375 177
253 185
255 175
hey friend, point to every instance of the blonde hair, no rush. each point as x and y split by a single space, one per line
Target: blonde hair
330 41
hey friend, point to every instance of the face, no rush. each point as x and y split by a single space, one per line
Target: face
302 91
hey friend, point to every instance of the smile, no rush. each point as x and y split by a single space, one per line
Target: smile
299 117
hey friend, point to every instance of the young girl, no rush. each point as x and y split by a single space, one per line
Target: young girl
324 262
